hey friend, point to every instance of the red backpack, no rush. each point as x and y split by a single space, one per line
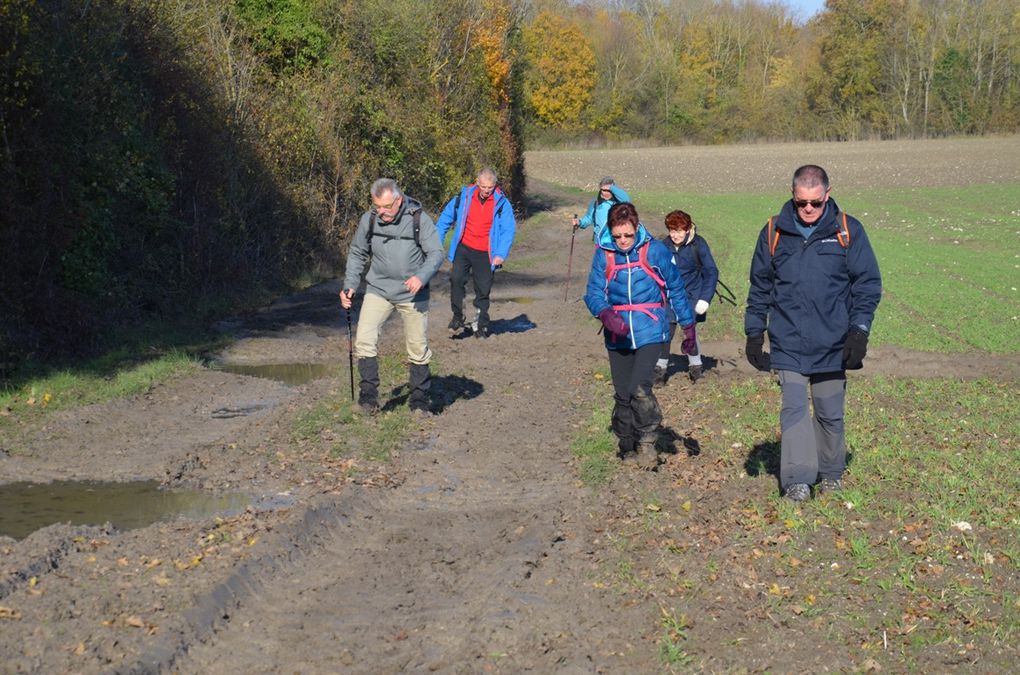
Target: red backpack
613 268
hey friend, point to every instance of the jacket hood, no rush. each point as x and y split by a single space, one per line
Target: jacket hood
607 242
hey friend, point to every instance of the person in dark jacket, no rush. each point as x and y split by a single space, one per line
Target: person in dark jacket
402 264
483 231
633 288
815 285
693 258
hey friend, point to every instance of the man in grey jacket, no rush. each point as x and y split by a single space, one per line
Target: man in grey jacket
401 242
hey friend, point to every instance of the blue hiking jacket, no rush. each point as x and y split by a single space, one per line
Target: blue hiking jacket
598 210
633 286
812 291
504 225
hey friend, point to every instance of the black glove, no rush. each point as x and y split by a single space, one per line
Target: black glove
753 351
854 349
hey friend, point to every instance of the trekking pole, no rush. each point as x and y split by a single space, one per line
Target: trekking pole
570 259
350 351
732 299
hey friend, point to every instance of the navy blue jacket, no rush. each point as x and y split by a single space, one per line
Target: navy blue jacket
700 281
632 286
812 291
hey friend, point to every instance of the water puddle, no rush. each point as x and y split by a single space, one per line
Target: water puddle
290 374
27 507
522 300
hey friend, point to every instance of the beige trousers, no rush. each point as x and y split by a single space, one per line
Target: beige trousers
374 312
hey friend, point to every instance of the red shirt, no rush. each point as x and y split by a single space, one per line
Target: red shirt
478 222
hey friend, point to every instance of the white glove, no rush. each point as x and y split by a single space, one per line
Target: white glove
700 307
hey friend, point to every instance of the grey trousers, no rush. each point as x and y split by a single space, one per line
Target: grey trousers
813 446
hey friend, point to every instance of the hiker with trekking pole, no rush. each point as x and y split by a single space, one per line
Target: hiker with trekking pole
814 286
634 289
609 193
693 258
398 249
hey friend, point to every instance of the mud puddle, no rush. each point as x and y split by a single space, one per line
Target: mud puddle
290 374
26 507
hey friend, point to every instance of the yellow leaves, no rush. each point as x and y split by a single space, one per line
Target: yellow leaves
9 614
562 75
686 506
654 508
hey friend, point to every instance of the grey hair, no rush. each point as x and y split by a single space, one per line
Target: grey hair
488 172
384 185
607 180
809 176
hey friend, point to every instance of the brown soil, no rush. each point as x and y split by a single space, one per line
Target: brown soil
476 548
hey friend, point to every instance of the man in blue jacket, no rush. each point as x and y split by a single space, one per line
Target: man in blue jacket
595 217
483 231
815 286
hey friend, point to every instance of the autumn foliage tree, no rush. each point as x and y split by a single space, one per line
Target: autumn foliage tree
561 73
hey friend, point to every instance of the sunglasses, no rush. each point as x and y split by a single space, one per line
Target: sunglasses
815 203
618 237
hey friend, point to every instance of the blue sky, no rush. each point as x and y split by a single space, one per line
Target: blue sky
804 9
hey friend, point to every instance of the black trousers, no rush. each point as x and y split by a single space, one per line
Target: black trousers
470 261
636 413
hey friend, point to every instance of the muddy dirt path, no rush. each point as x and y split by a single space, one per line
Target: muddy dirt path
475 549
482 558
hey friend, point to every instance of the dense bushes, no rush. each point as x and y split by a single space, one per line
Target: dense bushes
161 156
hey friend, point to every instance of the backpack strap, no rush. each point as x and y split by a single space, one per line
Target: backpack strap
842 234
613 268
416 227
772 234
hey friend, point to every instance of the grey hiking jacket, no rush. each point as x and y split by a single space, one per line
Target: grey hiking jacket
393 257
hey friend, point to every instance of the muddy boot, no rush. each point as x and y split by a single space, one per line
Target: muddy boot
368 389
660 377
627 451
695 373
647 456
420 383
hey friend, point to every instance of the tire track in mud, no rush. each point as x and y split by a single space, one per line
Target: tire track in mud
482 558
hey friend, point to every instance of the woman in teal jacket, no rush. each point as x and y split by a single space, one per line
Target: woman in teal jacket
609 195
635 289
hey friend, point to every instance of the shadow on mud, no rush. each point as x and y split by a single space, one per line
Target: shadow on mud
672 443
764 458
518 324
446 390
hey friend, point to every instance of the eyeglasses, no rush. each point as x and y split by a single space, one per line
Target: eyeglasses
384 207
815 203
618 237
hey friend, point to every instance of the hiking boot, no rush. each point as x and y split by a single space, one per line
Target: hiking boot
456 324
420 383
482 331
695 373
627 451
647 457
368 388
661 375
798 492
829 485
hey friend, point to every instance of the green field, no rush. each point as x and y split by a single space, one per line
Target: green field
915 566
950 259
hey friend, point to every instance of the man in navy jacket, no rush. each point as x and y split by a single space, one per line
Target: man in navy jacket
814 287
483 230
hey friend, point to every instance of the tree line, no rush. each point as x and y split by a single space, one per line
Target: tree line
169 158
708 71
